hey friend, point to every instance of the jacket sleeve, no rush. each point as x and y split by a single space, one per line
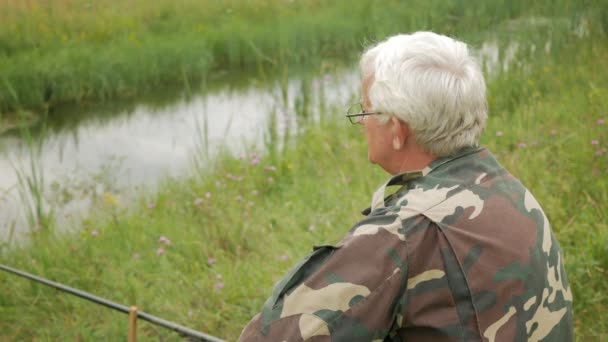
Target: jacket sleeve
347 292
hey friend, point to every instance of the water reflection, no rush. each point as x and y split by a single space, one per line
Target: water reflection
122 149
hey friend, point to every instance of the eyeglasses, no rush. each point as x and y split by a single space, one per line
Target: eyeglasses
356 113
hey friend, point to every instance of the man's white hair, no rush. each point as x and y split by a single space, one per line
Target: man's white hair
432 83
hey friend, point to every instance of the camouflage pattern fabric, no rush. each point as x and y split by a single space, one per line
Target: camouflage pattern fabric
461 252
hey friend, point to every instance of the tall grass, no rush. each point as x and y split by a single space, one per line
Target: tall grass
52 52
236 228
31 182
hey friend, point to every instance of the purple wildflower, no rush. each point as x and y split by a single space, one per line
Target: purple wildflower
160 251
283 258
219 286
595 142
522 145
165 240
211 261
600 121
255 161
94 233
198 201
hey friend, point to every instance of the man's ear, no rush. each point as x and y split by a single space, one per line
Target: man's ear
400 132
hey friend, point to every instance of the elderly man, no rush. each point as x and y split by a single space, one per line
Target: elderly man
460 251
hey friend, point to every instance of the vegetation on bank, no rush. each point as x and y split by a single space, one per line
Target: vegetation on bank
204 251
53 52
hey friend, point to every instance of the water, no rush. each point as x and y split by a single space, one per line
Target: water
119 150
87 154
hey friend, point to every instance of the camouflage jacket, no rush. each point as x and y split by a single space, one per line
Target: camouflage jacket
460 252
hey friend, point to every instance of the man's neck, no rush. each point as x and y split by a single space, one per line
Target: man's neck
412 158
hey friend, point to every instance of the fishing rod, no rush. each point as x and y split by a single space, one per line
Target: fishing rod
183 331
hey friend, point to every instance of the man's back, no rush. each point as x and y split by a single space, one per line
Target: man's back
483 251
461 252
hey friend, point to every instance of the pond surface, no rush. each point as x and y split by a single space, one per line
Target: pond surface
118 150
87 153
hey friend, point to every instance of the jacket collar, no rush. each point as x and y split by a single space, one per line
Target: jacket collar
379 199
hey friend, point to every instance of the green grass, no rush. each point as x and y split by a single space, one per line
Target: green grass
551 103
74 51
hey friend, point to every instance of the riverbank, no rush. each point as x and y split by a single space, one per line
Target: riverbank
76 51
204 251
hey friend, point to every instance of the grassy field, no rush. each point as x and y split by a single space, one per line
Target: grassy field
78 51
204 251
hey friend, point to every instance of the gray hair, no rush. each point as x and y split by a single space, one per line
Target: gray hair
432 83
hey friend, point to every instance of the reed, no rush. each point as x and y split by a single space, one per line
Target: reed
31 183
53 52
